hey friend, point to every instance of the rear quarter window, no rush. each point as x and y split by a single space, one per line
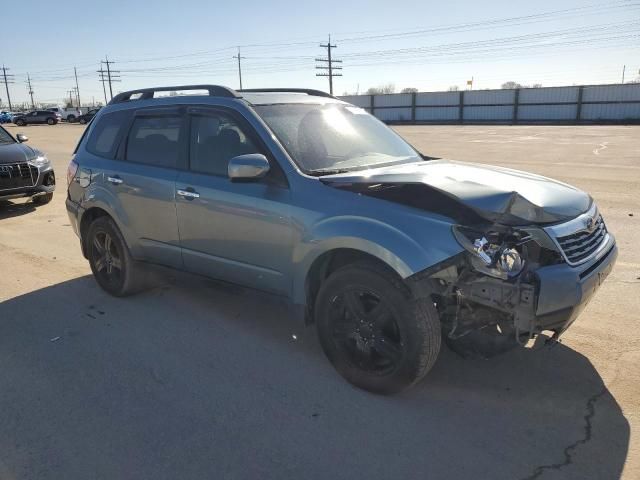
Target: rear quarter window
107 133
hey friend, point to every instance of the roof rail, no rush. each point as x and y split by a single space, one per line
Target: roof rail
308 91
148 93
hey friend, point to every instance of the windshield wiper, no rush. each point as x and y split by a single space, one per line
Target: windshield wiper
328 171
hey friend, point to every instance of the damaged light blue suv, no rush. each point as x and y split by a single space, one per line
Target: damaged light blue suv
299 194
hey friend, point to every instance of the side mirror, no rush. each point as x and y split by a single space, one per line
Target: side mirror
21 137
248 167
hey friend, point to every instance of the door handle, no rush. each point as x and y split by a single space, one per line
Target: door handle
189 193
115 180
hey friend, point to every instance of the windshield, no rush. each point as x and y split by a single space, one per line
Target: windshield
335 138
5 137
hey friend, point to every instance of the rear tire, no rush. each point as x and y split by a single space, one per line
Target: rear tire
390 342
42 199
71 118
111 263
50 121
82 121
20 123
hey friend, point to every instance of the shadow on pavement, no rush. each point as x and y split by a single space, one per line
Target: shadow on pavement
10 209
192 380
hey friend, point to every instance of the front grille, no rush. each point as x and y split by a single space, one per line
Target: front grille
17 175
580 245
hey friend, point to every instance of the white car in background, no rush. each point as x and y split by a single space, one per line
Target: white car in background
68 114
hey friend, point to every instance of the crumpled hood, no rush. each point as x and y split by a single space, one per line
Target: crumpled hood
17 152
497 194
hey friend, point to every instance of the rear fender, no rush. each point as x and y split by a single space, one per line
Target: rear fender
97 196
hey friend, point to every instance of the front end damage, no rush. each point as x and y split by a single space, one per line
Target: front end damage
535 249
509 286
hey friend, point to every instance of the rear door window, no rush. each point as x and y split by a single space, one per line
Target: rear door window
156 140
106 134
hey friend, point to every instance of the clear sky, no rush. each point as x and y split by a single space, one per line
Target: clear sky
423 44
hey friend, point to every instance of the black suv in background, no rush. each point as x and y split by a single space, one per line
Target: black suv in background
86 118
24 171
36 117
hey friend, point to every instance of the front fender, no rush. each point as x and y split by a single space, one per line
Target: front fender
397 249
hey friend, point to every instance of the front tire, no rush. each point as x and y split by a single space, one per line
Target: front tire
373 331
82 121
50 121
21 123
111 263
71 118
42 199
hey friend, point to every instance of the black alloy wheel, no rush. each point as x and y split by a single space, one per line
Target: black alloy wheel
106 260
111 263
373 330
365 331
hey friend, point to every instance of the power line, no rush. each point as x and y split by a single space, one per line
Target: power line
239 57
327 64
7 79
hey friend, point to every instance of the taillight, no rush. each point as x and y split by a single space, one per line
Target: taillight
71 171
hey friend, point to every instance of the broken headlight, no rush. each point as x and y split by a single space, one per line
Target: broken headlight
495 253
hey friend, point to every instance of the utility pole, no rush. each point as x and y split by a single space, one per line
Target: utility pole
111 76
7 79
327 64
33 105
75 72
624 67
239 57
74 92
104 88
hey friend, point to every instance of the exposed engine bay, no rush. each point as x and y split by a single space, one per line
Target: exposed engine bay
486 298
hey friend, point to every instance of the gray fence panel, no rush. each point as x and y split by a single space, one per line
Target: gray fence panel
437 98
549 95
359 100
394 114
437 113
504 112
573 104
610 111
547 112
393 100
612 93
481 97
